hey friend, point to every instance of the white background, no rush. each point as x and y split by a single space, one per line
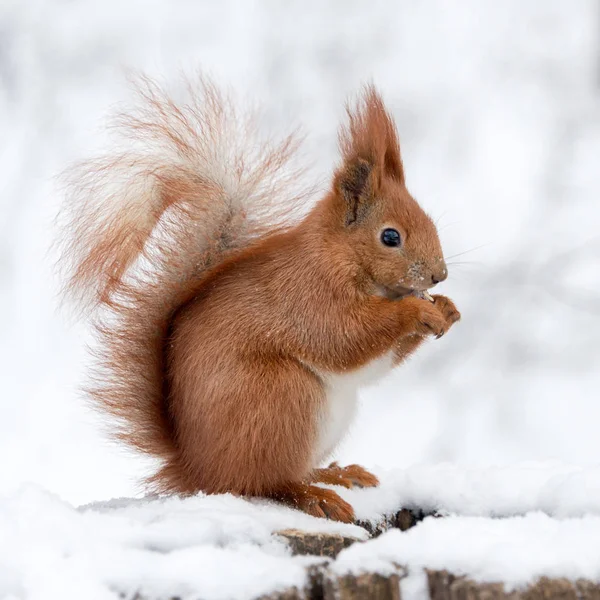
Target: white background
498 108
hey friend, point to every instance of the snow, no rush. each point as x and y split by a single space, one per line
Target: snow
222 547
558 489
212 547
515 551
510 524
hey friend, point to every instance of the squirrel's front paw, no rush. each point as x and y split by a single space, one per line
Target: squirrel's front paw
429 320
448 310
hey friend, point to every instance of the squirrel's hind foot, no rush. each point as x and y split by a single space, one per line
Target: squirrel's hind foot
315 501
349 477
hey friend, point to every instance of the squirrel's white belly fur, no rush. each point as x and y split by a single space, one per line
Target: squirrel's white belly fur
340 404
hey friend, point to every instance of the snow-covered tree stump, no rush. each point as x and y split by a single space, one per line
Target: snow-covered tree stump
325 584
445 586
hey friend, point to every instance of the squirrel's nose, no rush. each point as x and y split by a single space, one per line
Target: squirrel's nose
439 275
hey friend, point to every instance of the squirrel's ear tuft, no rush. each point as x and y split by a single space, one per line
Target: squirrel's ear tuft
370 135
354 183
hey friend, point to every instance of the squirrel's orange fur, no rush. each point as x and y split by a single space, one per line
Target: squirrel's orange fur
222 325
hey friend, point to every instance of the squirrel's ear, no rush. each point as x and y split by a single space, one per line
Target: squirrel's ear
392 163
370 135
355 184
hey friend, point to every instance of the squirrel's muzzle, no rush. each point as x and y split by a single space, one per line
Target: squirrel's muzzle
439 273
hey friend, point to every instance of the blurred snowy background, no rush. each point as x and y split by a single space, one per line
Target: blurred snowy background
498 107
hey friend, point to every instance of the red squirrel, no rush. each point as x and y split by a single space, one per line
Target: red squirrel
232 340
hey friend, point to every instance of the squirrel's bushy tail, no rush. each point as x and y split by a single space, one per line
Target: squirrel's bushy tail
191 183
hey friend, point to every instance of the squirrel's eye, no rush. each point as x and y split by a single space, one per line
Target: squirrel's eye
390 237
